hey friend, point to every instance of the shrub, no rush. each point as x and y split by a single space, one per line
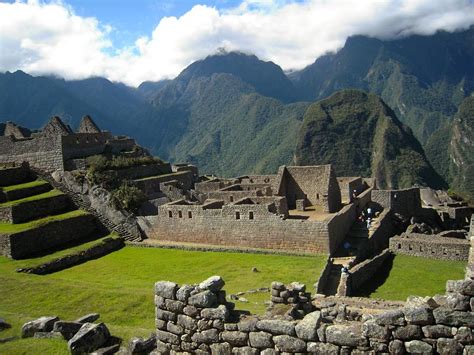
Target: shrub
128 197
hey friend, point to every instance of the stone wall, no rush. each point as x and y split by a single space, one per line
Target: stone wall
232 196
197 319
97 250
347 185
253 226
364 271
151 185
42 152
25 192
339 226
30 210
317 184
430 246
379 239
15 175
48 236
406 202
80 145
323 277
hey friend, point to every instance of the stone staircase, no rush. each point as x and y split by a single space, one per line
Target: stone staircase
80 203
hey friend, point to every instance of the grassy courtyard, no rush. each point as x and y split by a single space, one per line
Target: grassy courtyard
411 275
119 286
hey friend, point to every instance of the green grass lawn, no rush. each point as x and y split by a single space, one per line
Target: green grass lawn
25 185
44 195
20 227
120 287
412 275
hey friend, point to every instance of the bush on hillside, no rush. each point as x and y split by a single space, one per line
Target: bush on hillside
128 197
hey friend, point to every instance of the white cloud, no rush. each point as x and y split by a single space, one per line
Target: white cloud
49 38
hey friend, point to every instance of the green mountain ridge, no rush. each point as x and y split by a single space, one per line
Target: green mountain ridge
361 136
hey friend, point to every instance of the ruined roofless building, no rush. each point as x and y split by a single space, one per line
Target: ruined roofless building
57 146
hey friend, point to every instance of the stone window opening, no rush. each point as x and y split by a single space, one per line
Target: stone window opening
399 246
250 215
410 247
180 214
421 248
445 251
190 214
231 198
170 214
317 196
237 215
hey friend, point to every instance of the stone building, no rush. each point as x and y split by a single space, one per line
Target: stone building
56 146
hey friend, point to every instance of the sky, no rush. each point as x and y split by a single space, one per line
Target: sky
150 40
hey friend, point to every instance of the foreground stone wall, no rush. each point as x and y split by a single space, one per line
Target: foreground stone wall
197 319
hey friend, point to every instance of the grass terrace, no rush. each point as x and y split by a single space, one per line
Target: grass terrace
9 228
120 287
25 185
51 193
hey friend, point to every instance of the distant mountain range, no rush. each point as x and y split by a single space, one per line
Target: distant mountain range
233 113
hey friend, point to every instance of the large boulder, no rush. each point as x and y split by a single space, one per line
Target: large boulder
166 289
345 335
277 327
203 299
89 338
288 343
4 324
138 345
418 347
88 318
42 324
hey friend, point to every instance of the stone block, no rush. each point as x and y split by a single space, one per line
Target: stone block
48 335
447 316
166 315
138 345
213 283
465 287
289 344
174 306
166 289
88 318
260 340
248 325
269 352
246 350
67 329
446 346
458 302
464 335
230 326
307 328
437 331
345 335
203 299
421 315
408 332
372 330
396 347
277 327
395 317
42 324
175 329
89 338
190 311
218 324
221 349
235 338
210 336
277 286
322 348
418 347
220 312
184 292
167 337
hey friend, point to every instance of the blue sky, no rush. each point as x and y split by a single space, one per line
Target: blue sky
151 40
132 19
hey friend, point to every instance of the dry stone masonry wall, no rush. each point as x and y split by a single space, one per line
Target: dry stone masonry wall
197 319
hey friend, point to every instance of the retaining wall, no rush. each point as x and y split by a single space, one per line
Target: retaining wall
30 210
14 175
361 273
48 236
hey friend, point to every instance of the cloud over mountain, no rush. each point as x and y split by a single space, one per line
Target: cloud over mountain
49 38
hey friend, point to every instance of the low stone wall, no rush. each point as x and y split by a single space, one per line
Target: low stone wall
339 226
198 319
379 240
98 250
430 246
14 175
361 273
143 171
406 202
151 184
30 210
48 236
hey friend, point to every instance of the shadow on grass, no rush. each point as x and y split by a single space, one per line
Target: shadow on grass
377 280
